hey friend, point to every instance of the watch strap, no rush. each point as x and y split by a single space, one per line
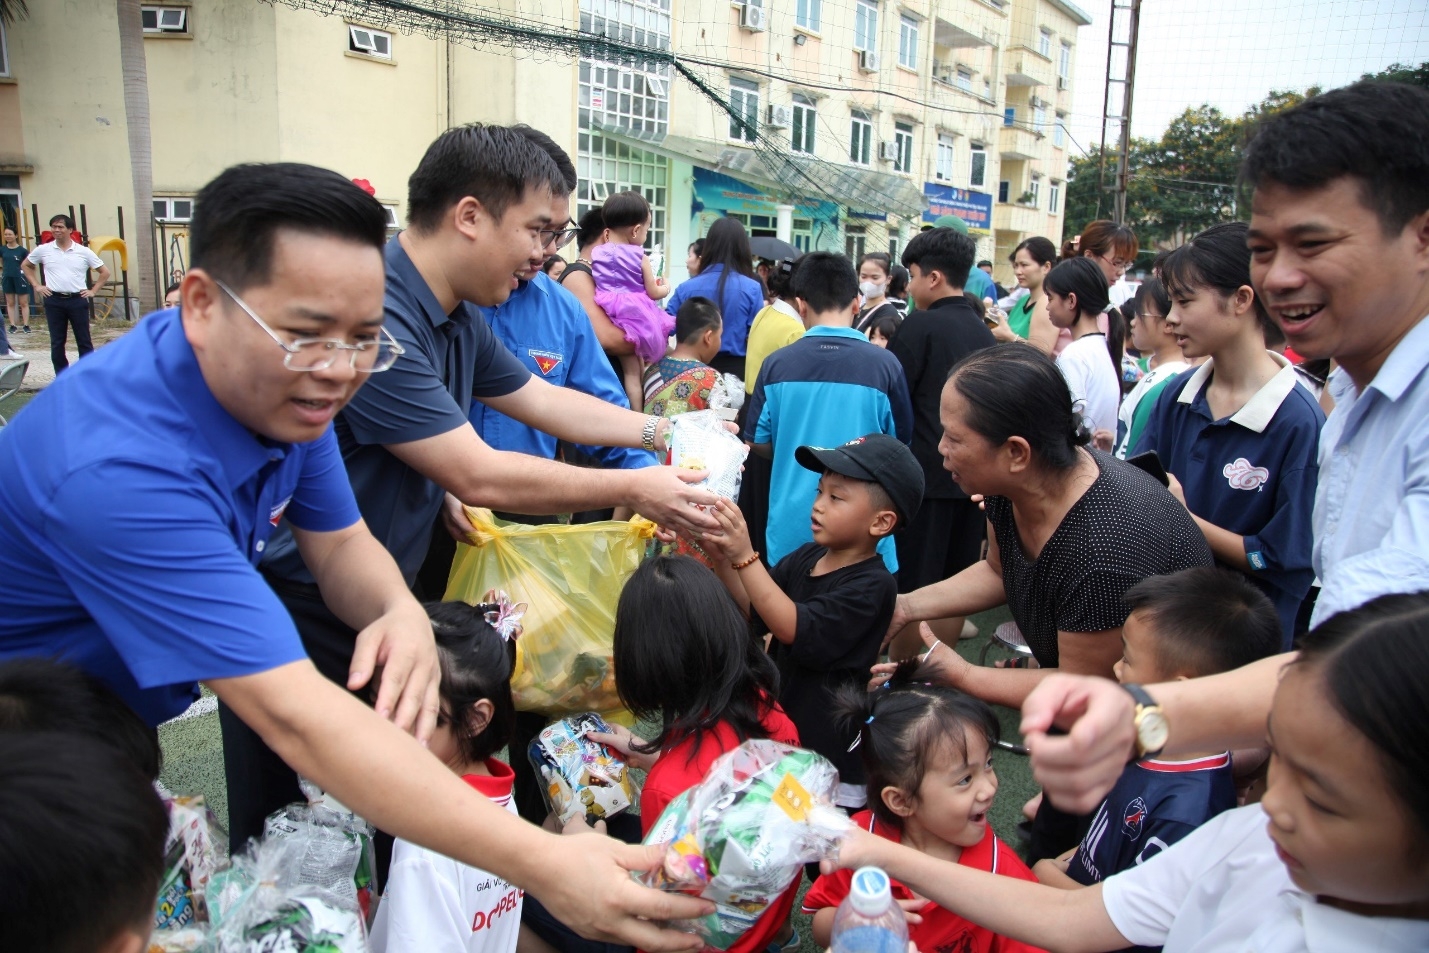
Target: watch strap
1139 695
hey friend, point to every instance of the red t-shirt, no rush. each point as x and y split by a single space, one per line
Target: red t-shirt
681 767
941 929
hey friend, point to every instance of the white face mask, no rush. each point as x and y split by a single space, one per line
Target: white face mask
872 289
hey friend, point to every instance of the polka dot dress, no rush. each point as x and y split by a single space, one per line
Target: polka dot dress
1126 527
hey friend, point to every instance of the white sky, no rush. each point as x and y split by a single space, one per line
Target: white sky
1231 53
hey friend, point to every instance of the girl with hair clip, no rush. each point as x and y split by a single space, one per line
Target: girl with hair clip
1152 336
927 753
431 902
1032 261
626 287
684 659
1076 297
1239 434
1334 857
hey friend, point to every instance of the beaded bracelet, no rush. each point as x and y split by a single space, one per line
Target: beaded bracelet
747 563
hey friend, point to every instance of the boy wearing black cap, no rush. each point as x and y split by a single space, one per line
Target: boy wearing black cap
828 603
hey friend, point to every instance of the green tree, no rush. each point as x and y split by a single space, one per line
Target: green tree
1403 73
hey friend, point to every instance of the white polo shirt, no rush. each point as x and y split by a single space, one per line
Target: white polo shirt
65 269
1223 890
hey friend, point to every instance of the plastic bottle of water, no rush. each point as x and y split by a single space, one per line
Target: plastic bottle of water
869 920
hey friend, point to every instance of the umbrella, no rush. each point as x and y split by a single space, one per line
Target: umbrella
772 249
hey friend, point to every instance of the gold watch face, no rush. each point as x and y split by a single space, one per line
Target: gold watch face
1152 729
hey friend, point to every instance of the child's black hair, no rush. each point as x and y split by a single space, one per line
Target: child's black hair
826 281
977 305
476 663
1219 259
905 727
1206 620
40 694
1375 662
625 210
781 278
878 498
551 262
1151 290
886 323
81 844
1084 278
683 654
898 282
696 316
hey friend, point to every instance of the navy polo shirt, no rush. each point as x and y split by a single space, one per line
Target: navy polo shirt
546 328
449 357
1252 473
133 510
823 390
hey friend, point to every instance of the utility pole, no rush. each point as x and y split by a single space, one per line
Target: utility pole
1116 99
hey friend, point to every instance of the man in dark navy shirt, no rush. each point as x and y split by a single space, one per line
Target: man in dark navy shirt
138 491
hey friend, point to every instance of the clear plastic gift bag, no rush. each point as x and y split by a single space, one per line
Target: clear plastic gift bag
742 835
335 850
700 440
580 776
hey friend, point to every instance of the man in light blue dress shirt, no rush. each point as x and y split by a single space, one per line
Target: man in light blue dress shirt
1339 243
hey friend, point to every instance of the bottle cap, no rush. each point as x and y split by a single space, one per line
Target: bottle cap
870 892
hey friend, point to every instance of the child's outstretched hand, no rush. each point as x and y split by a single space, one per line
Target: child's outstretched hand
732 541
623 740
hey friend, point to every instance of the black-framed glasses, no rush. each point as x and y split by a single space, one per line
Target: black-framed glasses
318 354
557 238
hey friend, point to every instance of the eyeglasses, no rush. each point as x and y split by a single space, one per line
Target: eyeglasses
318 354
556 238
1117 264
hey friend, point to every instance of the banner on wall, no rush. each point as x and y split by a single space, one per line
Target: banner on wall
715 191
974 208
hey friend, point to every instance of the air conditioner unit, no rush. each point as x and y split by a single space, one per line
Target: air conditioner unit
1062 82
888 151
780 116
753 18
868 61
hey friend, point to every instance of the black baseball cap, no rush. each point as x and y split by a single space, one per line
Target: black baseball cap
877 458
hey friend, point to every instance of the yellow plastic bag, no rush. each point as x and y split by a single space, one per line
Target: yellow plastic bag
570 578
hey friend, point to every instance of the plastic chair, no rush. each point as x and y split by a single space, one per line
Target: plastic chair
11 377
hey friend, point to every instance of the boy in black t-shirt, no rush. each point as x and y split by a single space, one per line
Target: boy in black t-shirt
828 603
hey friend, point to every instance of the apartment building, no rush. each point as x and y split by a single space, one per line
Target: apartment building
836 124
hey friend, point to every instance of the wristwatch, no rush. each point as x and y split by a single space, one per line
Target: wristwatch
1152 728
647 435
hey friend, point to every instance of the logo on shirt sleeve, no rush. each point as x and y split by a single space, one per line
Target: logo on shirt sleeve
1133 817
1256 560
1243 475
545 360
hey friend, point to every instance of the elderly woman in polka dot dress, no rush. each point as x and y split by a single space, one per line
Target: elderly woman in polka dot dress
1070 530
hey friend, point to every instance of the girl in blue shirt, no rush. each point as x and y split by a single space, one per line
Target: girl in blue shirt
1238 434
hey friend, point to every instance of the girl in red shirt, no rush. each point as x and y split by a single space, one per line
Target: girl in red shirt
927 753
683 655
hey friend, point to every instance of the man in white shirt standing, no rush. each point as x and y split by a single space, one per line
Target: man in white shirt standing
65 288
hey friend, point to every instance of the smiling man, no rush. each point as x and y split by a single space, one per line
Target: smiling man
1339 241
138 492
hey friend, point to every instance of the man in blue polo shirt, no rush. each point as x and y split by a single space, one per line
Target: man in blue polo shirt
479 209
823 390
139 490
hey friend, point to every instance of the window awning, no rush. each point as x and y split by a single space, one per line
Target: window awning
796 178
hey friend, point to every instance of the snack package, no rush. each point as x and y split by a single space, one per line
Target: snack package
332 847
728 393
700 441
581 776
742 835
190 858
261 902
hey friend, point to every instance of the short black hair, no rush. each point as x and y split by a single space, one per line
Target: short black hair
975 300
172 288
1205 620
237 214
945 250
984 264
558 155
684 658
879 499
906 727
590 227
476 663
495 165
81 844
826 282
41 694
64 219
625 210
1374 132
696 316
